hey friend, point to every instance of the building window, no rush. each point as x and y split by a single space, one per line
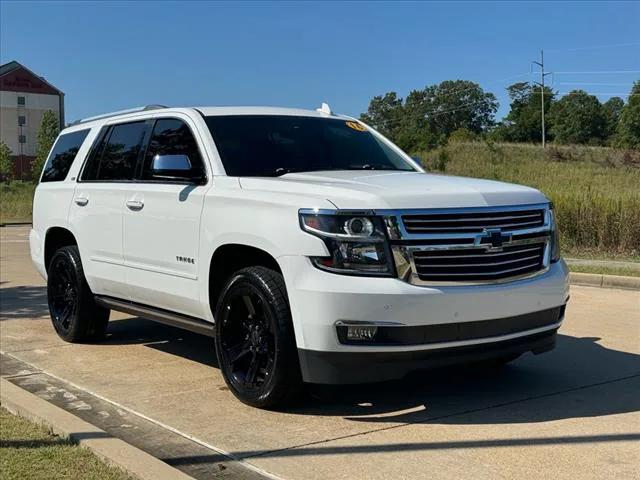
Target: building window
22 120
22 138
21 101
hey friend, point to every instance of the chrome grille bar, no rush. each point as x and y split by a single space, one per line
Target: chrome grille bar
469 246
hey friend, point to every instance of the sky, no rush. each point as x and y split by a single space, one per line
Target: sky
108 56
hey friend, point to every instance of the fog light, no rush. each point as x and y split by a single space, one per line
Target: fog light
362 333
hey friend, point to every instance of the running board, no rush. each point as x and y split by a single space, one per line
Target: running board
166 317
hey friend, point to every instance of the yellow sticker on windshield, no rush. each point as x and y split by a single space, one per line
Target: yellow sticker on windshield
356 126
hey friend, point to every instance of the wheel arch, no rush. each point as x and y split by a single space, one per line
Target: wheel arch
56 238
231 257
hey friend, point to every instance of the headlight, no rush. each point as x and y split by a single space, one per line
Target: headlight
356 242
555 238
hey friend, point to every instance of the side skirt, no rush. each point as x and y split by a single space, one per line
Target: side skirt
159 315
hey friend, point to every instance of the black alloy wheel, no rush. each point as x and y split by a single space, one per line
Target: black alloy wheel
255 343
247 339
74 313
62 293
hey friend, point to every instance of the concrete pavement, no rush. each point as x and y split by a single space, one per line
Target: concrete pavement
571 413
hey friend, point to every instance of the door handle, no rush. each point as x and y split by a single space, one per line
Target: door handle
81 201
135 205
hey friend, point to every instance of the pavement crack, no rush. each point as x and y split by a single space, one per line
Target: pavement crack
20 375
441 417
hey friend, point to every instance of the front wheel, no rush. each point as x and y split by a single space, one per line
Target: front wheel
255 343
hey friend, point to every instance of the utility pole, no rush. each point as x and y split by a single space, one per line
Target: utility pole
541 84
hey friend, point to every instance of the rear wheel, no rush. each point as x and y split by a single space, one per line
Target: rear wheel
255 343
74 313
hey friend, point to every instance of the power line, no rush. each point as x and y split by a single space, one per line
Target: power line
595 72
602 94
487 83
595 83
436 112
593 47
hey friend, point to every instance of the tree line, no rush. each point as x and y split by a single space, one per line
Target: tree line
47 134
461 109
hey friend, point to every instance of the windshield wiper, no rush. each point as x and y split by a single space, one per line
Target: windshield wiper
368 166
278 172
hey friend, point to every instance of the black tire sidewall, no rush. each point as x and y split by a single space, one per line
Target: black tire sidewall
285 377
88 321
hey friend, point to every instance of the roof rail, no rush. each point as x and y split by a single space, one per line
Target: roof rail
115 114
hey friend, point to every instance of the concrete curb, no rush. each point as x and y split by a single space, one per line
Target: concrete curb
605 281
112 450
15 224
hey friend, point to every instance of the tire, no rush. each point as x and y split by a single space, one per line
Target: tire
74 313
255 342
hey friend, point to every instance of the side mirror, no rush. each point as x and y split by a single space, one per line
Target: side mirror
174 167
417 159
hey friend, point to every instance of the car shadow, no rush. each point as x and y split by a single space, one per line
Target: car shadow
582 377
23 302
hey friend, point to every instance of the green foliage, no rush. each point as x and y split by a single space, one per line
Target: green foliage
594 189
523 123
628 131
578 118
612 109
427 117
6 165
460 110
49 129
462 135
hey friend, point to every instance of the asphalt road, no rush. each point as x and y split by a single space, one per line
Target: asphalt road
571 413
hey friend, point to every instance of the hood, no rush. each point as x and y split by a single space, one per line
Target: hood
348 189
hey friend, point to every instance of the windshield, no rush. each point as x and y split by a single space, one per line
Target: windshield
273 145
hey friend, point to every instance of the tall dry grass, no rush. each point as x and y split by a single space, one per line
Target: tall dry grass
595 190
16 199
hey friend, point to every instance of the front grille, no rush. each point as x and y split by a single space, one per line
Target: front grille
478 264
472 222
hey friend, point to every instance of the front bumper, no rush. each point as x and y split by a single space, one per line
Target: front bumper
336 368
319 300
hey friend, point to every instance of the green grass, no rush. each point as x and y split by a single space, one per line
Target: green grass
31 452
16 199
596 190
605 270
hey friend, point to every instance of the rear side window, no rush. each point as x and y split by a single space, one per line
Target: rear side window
173 137
62 156
116 157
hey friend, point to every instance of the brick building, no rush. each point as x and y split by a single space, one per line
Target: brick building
24 97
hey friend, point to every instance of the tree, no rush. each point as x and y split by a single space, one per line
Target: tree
6 165
454 104
384 114
612 109
49 129
628 131
429 116
578 118
524 122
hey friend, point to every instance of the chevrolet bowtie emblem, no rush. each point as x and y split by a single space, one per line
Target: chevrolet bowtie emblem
492 239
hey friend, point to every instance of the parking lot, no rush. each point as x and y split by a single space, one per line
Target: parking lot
572 413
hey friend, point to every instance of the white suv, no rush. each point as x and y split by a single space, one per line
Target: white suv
311 247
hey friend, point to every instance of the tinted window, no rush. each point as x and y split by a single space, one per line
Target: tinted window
117 155
271 145
172 137
62 156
